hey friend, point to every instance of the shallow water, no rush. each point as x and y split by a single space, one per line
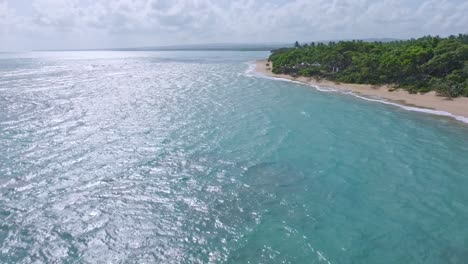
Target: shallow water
183 157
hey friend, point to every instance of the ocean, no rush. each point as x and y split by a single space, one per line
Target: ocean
191 157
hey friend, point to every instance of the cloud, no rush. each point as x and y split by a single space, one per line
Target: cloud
7 18
98 23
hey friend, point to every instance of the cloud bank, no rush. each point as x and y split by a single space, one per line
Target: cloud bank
56 24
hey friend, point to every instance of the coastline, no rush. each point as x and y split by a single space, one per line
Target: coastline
429 102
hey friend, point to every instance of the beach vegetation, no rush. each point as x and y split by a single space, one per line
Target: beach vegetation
421 65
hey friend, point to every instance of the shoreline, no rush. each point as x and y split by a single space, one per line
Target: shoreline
456 108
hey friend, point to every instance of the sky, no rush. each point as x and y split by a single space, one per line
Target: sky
85 24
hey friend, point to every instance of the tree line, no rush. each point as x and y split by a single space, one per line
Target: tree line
426 64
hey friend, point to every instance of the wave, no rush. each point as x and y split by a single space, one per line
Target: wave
415 109
251 72
251 69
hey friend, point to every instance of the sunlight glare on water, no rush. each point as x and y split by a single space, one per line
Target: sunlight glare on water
182 157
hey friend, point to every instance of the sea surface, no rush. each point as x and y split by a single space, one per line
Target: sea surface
190 157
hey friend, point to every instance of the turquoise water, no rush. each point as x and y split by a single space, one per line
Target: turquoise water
185 157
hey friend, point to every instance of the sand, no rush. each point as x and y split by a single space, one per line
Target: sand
431 101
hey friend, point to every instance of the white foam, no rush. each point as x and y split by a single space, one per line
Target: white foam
416 109
251 71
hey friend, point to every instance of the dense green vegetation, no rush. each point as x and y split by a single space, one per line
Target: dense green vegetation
417 65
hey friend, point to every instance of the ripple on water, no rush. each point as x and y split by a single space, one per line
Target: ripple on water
182 158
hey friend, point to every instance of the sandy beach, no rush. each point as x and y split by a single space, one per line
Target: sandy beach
455 106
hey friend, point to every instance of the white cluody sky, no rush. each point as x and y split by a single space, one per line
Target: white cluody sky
81 24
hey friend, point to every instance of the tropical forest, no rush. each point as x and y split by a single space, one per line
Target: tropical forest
430 63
